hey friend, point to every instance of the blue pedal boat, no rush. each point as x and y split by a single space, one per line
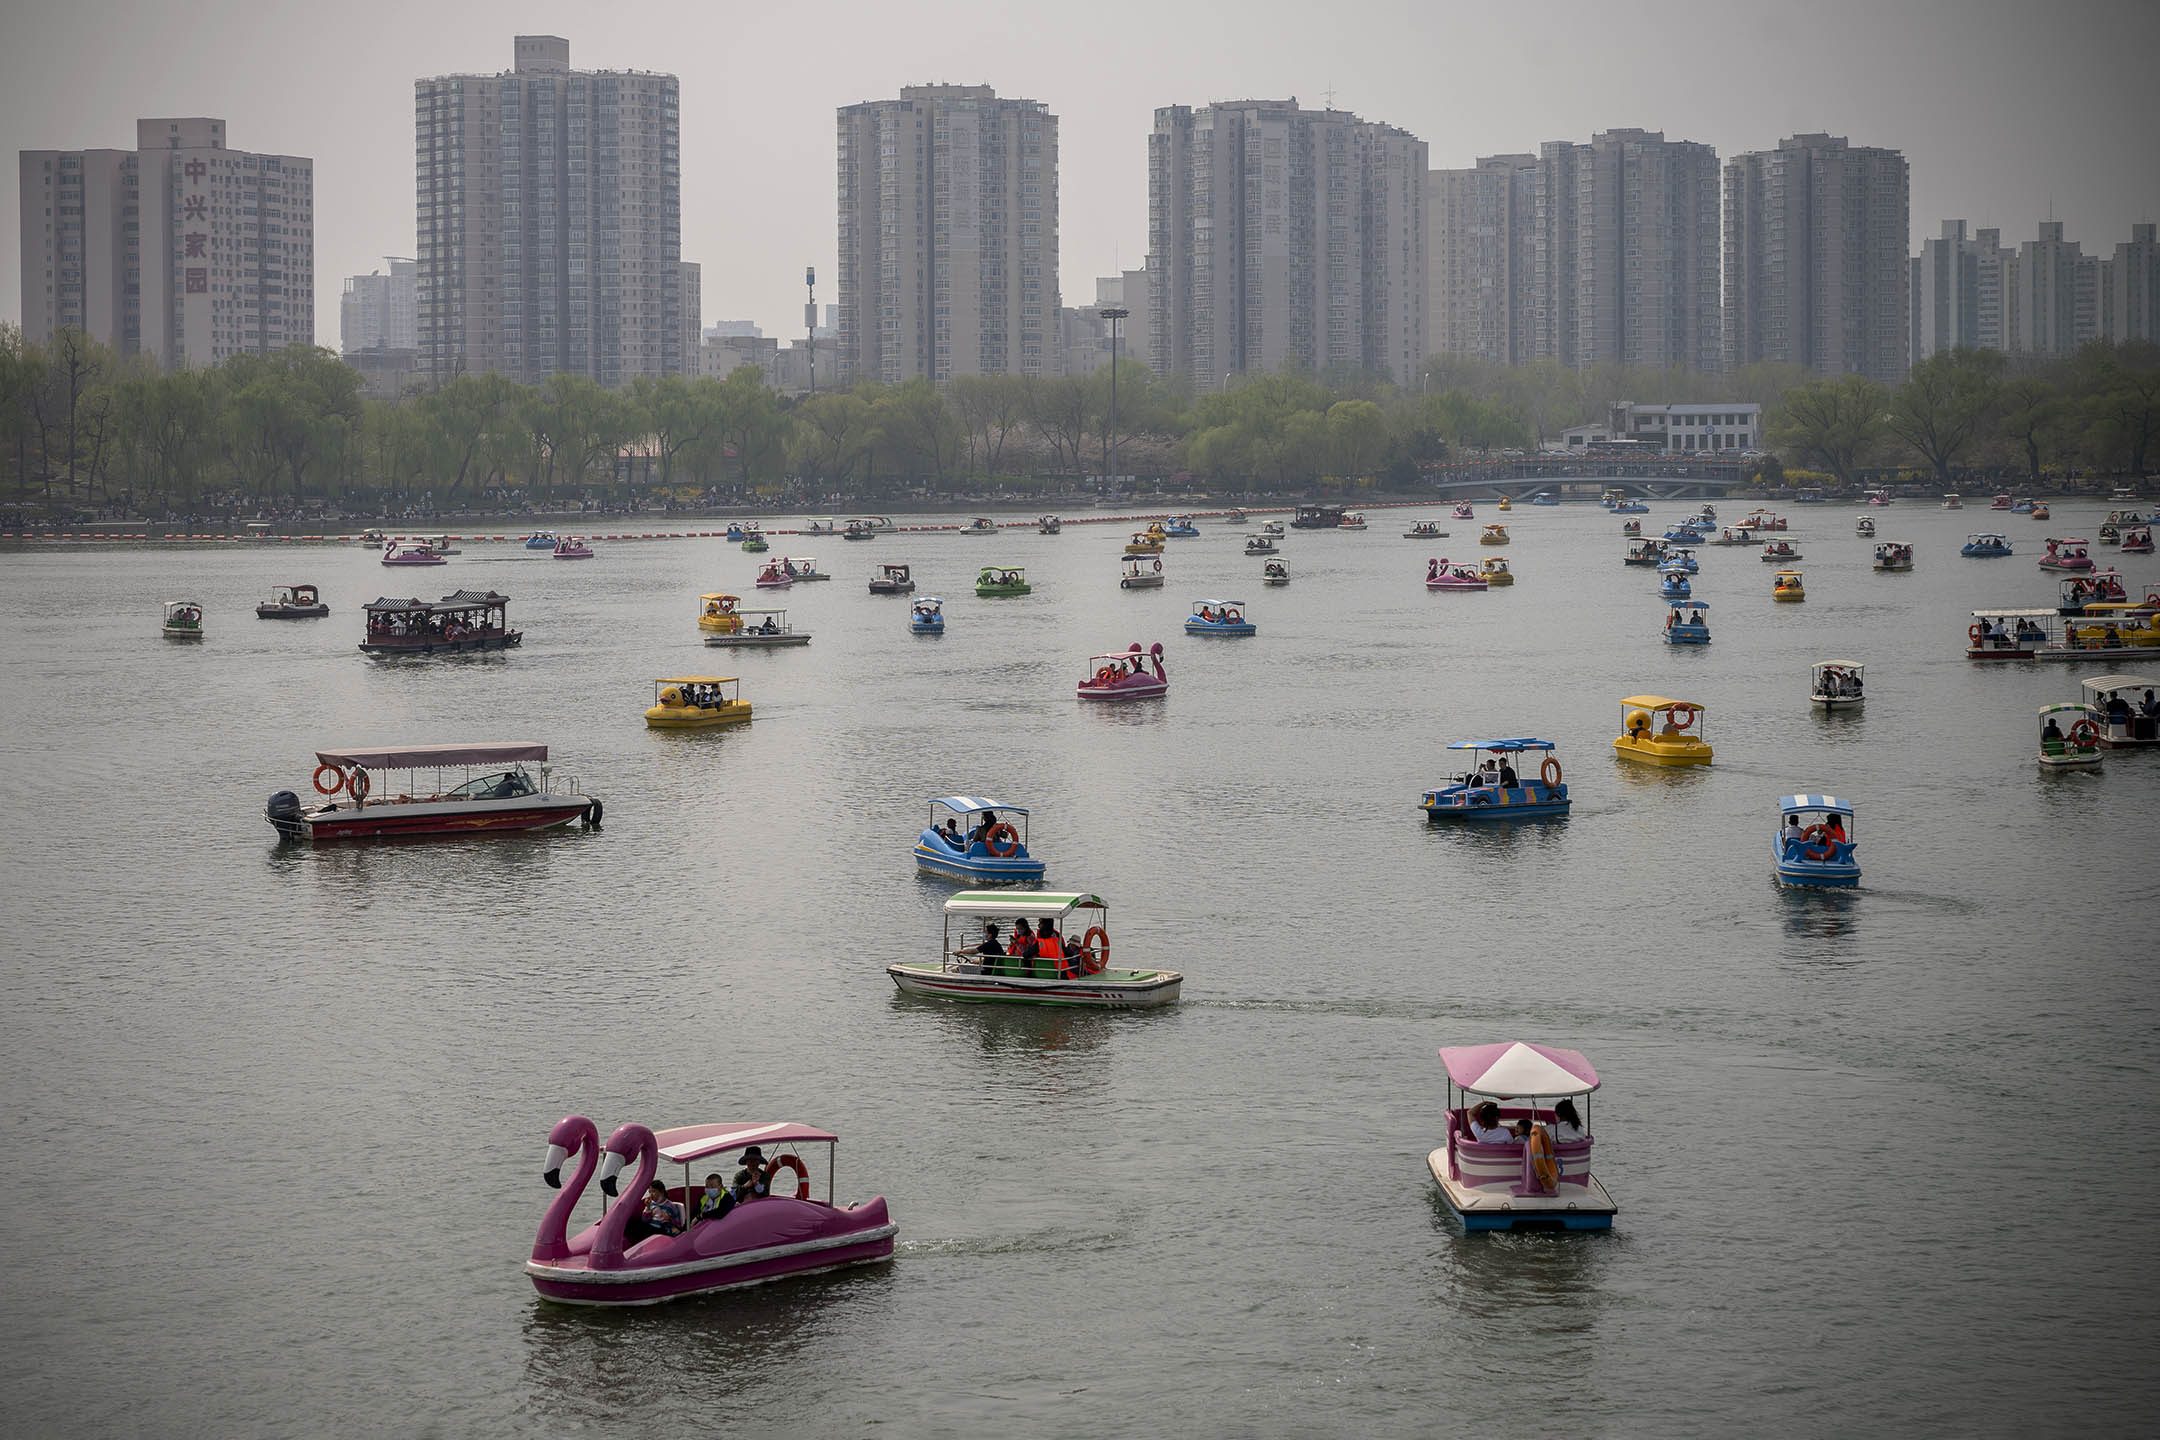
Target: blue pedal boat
927 616
1219 617
540 540
1491 790
1688 629
1182 528
1631 507
980 840
1685 534
1986 546
1682 557
1673 583
1814 842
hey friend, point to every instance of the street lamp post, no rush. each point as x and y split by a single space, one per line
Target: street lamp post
1113 314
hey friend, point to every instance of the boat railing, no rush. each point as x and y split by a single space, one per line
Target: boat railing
1474 1162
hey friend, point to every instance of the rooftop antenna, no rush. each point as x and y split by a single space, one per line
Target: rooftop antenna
1329 95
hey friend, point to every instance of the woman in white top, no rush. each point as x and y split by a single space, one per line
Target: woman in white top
1567 1125
1485 1126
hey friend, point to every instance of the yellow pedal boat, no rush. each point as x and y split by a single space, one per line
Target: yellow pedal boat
1785 585
697 702
1677 742
1493 571
1494 535
716 612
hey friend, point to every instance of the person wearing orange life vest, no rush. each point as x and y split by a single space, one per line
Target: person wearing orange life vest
1049 948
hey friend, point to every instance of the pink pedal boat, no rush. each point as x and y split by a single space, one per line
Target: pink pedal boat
1439 575
1123 675
760 1237
1541 1180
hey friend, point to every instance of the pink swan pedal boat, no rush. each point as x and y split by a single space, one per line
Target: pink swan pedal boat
1124 675
1440 575
764 1237
1542 1181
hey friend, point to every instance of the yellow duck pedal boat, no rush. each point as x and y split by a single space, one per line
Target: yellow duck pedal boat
697 702
1658 731
717 613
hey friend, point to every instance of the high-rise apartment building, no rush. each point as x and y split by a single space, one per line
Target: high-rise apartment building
691 286
2051 296
948 208
1279 236
550 220
1957 291
1816 269
380 312
2132 289
181 249
1478 227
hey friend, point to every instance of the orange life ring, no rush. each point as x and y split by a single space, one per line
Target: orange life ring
356 780
794 1163
1976 632
1543 1165
1011 836
1550 770
1816 843
337 779
2084 733
2152 597
1094 950
1158 564
1680 719
1103 676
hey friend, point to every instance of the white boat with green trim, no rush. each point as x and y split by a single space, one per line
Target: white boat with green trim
1064 968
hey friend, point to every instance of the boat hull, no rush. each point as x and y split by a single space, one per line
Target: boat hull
1207 627
291 612
916 629
1651 752
1492 1207
1111 990
1838 702
1149 689
990 869
678 717
746 641
387 820
1820 874
575 1282
1141 582
412 646
892 587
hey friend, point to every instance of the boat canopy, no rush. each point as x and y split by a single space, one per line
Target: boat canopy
1039 905
2078 705
1198 603
1659 702
681 1144
1503 747
2106 684
1685 603
1516 1068
776 614
1828 804
456 600
1001 570
414 757
976 804
696 680
1979 537
719 595
1839 665
932 600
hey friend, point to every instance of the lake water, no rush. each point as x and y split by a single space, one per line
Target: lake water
1884 1158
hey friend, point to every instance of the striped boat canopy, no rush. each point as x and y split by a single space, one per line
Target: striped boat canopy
1515 1068
1829 804
1501 746
1023 905
682 1144
976 804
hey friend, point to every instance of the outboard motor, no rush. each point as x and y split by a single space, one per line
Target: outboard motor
284 813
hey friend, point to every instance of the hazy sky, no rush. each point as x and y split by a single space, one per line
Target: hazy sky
2008 112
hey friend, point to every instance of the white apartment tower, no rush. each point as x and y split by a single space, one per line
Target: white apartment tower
2051 296
948 210
1477 223
1957 291
1284 237
2133 288
380 312
1816 270
549 203
182 249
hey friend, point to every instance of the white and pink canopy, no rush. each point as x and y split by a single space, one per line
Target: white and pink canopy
682 1144
1513 1068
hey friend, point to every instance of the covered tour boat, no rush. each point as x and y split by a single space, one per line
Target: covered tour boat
357 805
1123 675
1141 572
828 526
2069 736
697 702
1494 535
293 602
1650 552
2128 707
441 545
1814 842
1441 574
1778 550
1275 572
1789 585
978 840
1518 1146
775 577
1273 529
1425 530
927 616
1631 528
2068 553
720 613
1678 742
2108 534
1742 536
859 530
1893 556
1685 625
1352 520
462 620
1219 617
417 554
875 524
1492 788
2114 633
1986 545
1317 517
762 629
2099 594
1493 570
975 960
1953 501
183 620
1260 543
1864 527
1837 684
2137 540
980 525
1002 582
803 568
1049 525
760 1230
573 547
892 580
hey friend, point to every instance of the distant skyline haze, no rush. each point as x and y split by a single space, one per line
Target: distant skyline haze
2008 114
